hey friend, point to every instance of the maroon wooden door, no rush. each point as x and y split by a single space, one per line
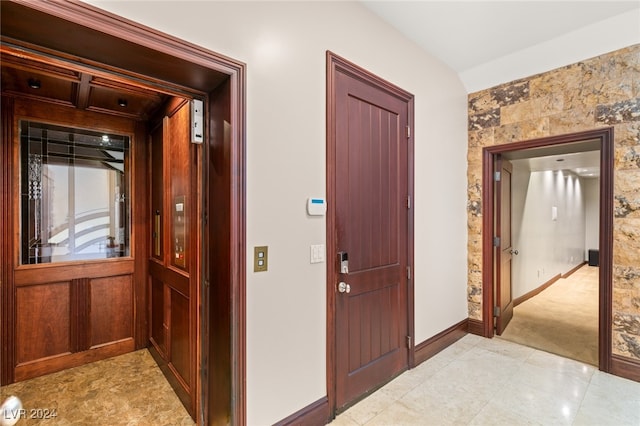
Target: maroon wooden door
174 260
371 227
504 250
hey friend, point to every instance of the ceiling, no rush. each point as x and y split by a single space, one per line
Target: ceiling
582 164
466 34
74 87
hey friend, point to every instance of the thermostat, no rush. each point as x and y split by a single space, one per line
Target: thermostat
316 206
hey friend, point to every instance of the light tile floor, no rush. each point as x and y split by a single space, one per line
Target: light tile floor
478 381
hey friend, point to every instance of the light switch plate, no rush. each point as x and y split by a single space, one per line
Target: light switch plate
260 258
317 253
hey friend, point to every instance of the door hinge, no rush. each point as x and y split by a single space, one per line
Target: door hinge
497 176
408 201
408 131
496 241
408 342
496 311
408 272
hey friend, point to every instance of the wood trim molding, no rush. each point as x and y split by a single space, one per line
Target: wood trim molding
625 367
315 414
573 270
606 250
605 136
535 291
34 369
440 341
7 253
475 327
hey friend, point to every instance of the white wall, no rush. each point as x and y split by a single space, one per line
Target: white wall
546 247
592 215
284 44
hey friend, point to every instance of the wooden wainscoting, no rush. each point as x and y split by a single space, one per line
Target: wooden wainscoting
68 315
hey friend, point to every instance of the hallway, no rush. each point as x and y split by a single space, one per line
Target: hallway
562 319
478 381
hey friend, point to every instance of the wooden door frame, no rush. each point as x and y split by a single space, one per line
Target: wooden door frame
334 64
605 136
193 67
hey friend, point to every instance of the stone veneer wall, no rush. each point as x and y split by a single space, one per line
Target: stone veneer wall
599 92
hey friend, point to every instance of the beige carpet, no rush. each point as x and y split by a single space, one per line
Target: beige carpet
562 319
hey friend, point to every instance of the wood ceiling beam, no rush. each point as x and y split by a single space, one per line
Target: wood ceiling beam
83 90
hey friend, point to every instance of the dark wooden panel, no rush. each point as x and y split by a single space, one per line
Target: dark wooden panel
111 309
173 278
141 238
158 326
43 318
157 193
52 88
371 189
74 117
180 189
106 94
180 336
72 85
7 244
80 338
370 183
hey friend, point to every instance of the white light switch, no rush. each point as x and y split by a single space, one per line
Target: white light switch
317 253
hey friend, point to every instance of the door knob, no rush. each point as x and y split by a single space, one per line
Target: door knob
512 251
344 287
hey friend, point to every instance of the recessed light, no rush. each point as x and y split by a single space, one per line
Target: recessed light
123 102
34 84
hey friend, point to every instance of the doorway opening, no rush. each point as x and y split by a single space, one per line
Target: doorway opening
146 86
495 276
554 211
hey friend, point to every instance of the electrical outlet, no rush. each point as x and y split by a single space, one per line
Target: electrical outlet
260 258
